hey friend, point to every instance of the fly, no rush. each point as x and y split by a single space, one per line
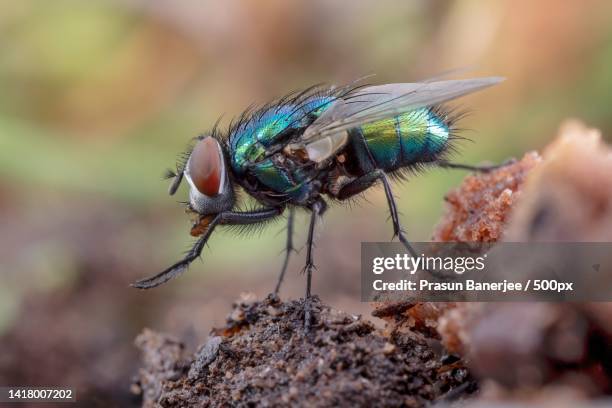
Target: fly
319 145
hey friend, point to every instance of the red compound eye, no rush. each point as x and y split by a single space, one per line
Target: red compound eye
205 166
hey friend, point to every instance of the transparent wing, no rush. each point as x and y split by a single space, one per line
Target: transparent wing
328 133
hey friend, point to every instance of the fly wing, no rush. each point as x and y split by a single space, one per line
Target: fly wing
328 134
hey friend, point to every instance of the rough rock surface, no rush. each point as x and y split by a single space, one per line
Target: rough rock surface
479 209
535 351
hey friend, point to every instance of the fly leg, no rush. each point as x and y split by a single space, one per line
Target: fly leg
288 249
482 168
363 183
398 231
181 266
397 227
317 210
228 217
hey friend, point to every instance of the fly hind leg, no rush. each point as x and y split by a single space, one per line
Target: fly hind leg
366 181
359 185
478 168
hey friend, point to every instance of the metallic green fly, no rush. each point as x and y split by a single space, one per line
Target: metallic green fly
310 147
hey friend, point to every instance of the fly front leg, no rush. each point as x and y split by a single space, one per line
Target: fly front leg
182 265
227 217
481 169
288 249
318 208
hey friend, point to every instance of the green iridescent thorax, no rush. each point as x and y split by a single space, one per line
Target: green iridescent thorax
250 145
250 141
411 137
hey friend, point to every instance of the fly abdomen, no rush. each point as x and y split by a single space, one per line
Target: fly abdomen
413 137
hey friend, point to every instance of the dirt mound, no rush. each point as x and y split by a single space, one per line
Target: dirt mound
263 357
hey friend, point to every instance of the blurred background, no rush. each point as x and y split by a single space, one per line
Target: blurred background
99 97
